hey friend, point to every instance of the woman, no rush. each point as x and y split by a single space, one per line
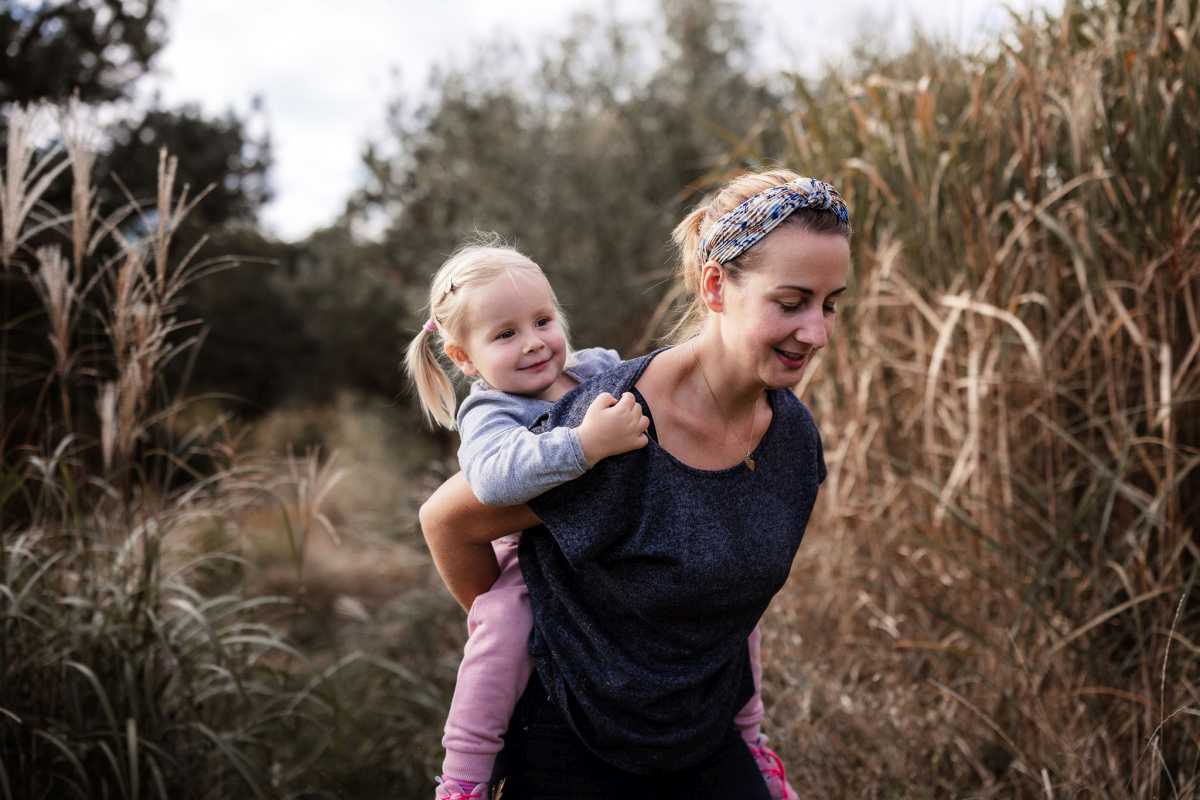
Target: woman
651 570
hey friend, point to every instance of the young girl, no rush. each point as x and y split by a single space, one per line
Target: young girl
498 320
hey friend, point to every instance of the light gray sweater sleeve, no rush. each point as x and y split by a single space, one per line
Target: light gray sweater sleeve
507 464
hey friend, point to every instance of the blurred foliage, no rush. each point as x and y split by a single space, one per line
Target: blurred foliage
118 678
221 154
583 157
257 350
583 161
97 48
351 309
137 648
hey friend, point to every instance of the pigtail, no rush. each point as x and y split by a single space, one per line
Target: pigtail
434 388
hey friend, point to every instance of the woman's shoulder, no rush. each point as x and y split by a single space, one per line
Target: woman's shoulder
796 429
792 417
790 407
592 361
569 410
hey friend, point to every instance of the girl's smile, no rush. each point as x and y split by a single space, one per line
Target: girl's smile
537 366
514 342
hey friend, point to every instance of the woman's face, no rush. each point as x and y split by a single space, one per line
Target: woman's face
781 310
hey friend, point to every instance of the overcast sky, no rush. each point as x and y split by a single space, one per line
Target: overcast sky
325 72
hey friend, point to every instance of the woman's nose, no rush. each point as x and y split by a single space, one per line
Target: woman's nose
814 329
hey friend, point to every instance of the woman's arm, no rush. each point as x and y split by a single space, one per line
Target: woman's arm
459 531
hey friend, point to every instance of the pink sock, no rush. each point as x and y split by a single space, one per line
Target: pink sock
468 787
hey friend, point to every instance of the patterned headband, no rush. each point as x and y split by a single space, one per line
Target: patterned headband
758 215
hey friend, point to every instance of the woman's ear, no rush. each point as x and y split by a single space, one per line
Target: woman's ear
460 359
712 286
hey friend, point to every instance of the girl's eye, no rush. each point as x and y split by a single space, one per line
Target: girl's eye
789 307
543 322
506 334
830 309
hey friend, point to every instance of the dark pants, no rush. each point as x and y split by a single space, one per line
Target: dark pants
543 759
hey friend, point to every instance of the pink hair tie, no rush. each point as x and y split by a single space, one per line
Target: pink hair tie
430 325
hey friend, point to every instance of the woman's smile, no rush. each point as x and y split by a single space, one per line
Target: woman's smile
792 360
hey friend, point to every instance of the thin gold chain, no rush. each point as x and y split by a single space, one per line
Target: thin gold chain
748 443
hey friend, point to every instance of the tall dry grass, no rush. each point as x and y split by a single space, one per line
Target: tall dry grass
134 662
999 598
117 678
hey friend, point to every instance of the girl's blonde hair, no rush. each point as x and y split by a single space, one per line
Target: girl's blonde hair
474 264
700 220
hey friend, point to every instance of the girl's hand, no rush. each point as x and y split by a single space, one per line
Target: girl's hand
612 426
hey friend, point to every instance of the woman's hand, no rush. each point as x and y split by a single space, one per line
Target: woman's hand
459 531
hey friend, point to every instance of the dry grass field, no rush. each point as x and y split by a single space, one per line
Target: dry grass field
996 597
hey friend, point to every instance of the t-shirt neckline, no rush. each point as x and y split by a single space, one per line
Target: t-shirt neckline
733 469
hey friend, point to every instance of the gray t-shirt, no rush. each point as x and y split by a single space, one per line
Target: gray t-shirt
648 576
504 462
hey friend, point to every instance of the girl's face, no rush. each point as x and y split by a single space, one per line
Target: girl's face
514 341
781 310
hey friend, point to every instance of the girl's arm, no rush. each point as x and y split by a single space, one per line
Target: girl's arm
507 464
504 462
459 531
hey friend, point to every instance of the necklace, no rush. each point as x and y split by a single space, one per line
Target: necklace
748 443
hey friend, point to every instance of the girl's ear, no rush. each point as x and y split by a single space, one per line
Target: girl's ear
712 286
460 359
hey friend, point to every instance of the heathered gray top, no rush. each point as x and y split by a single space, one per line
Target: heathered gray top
506 463
649 575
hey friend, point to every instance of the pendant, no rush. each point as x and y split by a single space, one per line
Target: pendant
749 462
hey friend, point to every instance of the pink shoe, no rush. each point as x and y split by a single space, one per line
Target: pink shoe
771 767
450 789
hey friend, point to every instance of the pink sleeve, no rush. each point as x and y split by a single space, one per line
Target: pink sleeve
749 719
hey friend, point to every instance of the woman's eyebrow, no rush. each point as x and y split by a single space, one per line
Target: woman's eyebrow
806 290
